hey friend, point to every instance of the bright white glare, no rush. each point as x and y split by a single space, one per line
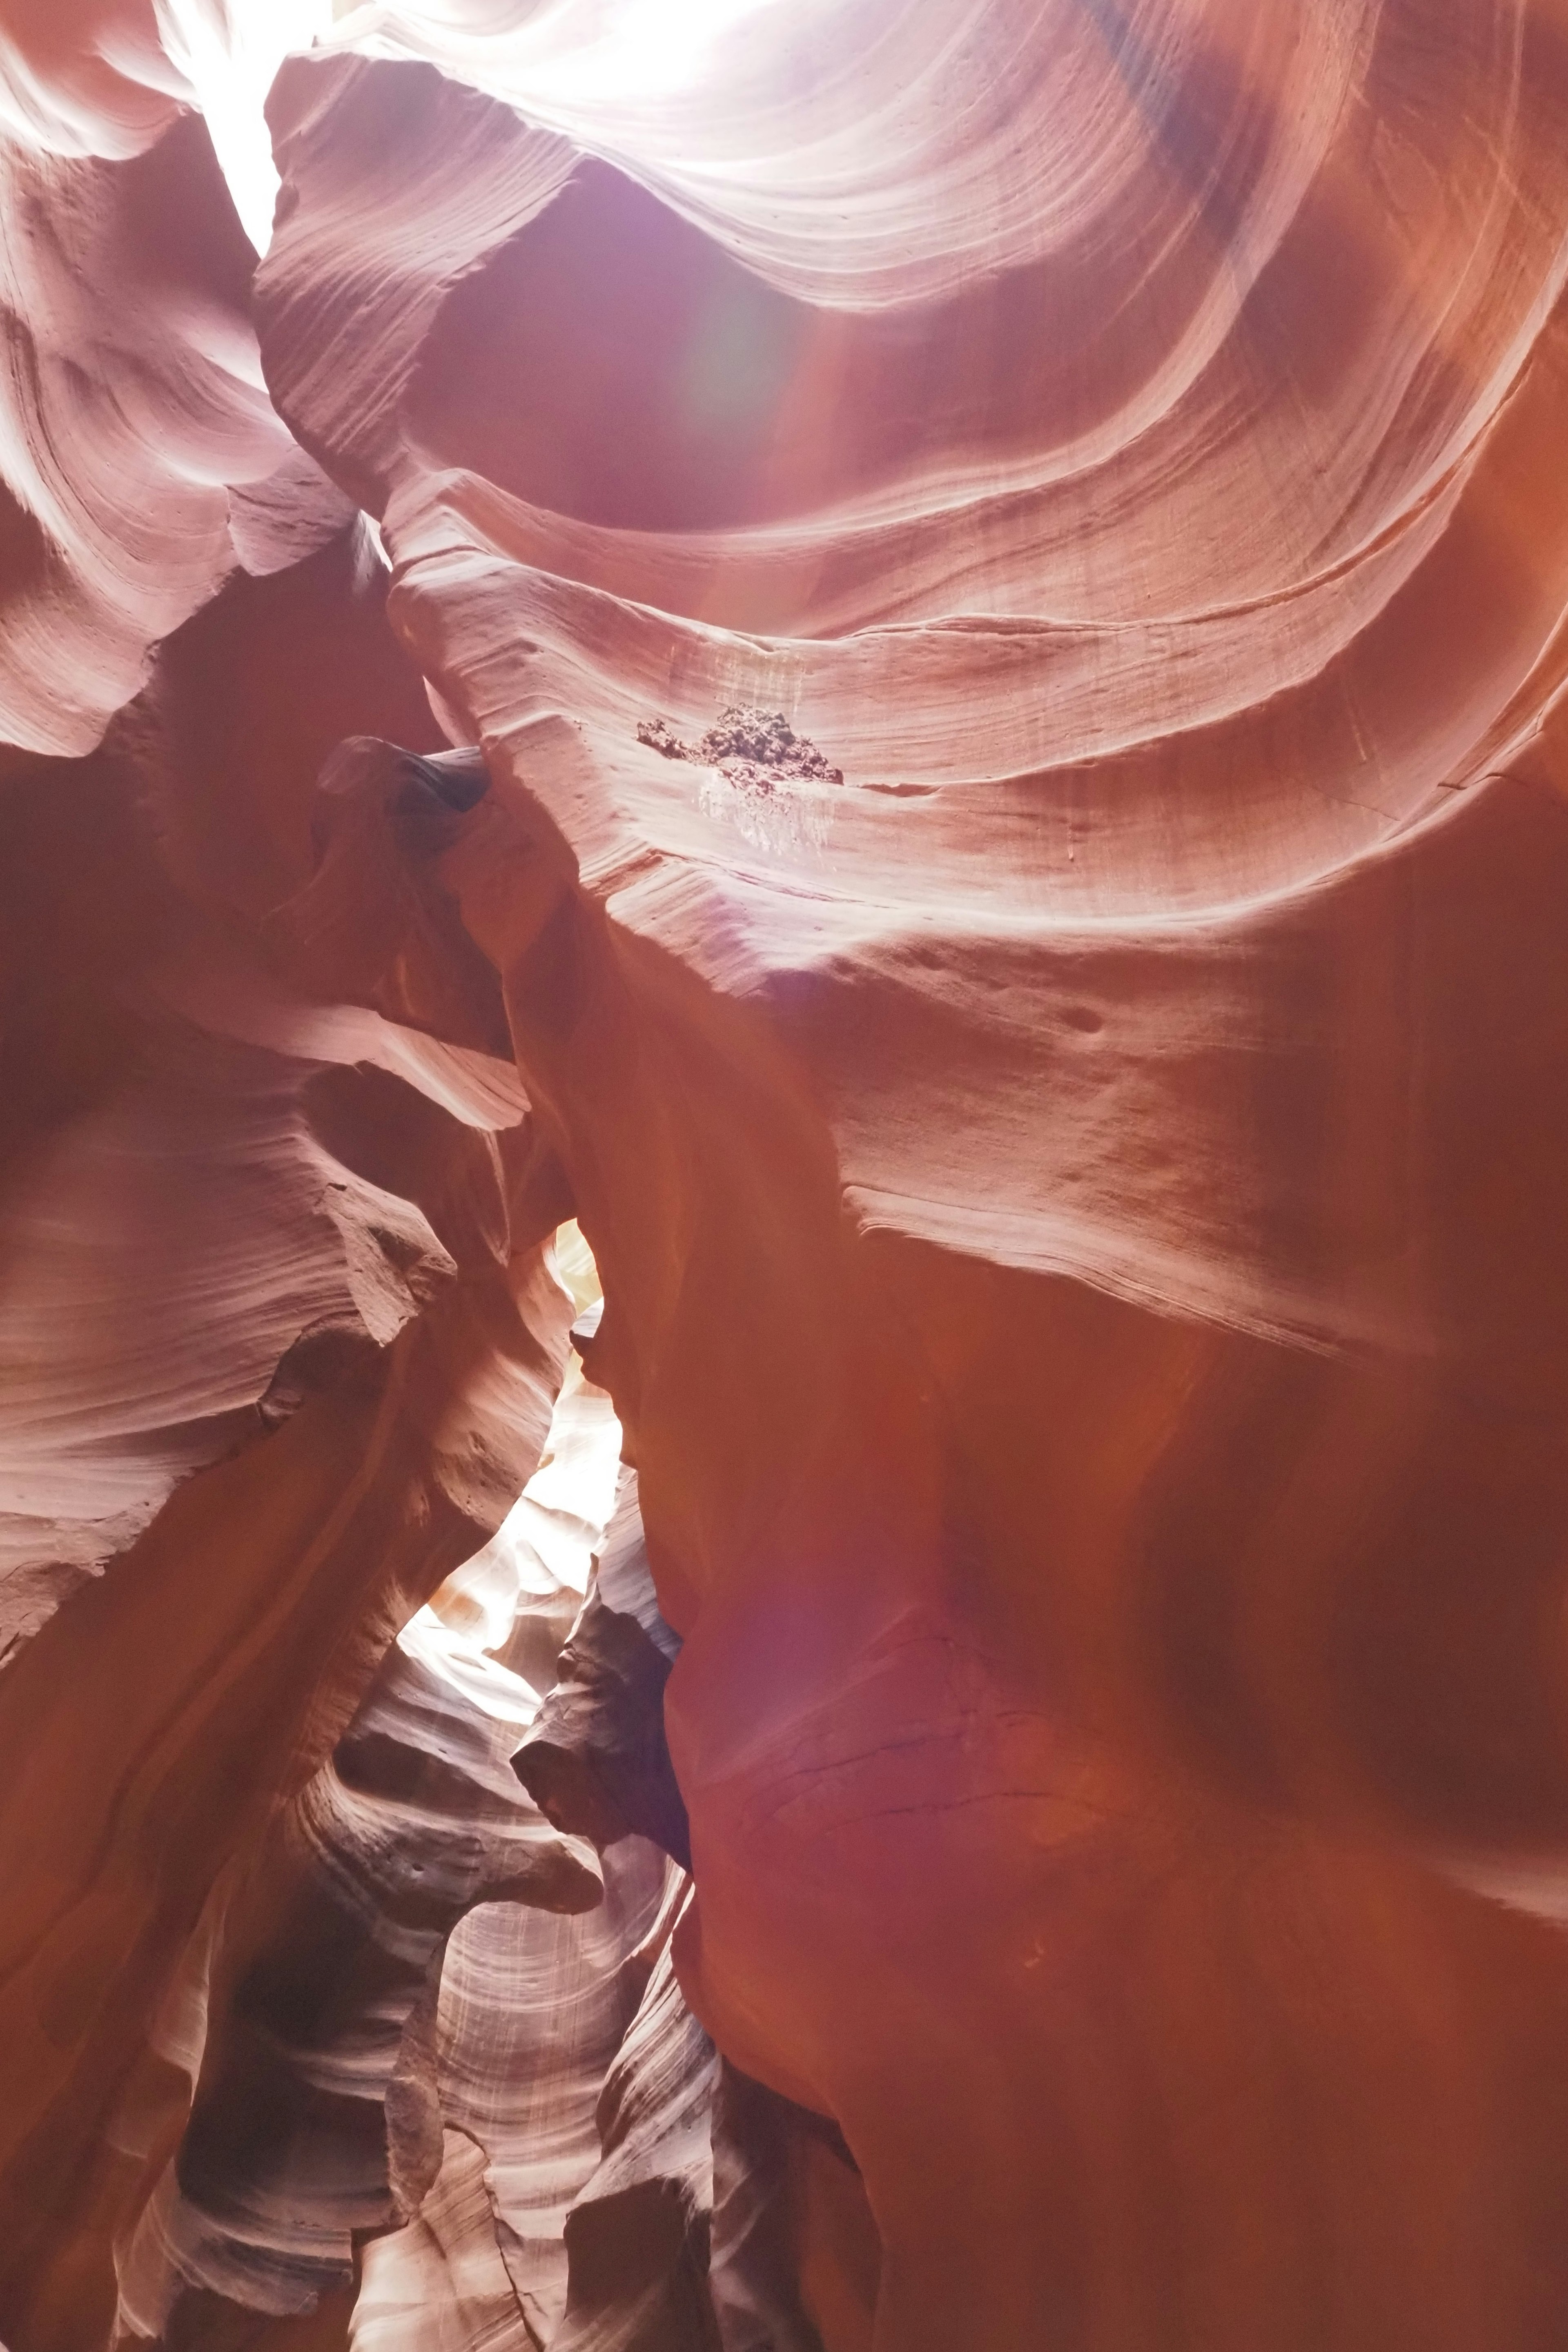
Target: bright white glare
545 1545
644 48
563 64
559 65
230 57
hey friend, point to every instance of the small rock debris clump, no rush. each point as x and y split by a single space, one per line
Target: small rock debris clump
753 747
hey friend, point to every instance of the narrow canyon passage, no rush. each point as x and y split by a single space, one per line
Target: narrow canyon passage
784 1303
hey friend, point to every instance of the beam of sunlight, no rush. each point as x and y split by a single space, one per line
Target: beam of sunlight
574 56
229 57
538 1563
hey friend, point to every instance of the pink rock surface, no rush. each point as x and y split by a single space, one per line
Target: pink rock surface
1066 1093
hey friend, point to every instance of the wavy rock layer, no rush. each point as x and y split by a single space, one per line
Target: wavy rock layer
281 1342
1094 1371
967 770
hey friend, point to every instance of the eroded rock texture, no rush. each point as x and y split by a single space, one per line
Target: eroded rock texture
961 760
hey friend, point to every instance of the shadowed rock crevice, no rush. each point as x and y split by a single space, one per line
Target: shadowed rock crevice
595 1761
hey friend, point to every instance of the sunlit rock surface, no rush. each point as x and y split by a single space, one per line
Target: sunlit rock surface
958 774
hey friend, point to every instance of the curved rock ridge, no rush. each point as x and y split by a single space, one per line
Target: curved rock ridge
138 440
149 1046
283 1342
324 1952
89 78
575 2165
1093 1361
959 771
141 460
594 1760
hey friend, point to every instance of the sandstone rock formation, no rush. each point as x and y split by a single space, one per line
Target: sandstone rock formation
905 666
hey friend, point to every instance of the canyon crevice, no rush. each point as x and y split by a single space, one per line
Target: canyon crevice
785 1347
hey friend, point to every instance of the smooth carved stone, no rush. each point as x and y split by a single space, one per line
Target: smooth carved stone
692 2233
1083 1240
332 1950
531 2010
1080 1212
759 2282
373 923
639 2238
595 1761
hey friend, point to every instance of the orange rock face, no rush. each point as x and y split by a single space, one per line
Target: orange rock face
960 758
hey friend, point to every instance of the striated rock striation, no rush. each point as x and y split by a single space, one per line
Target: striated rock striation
956 766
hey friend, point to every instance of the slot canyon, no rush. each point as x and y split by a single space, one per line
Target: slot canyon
783 1176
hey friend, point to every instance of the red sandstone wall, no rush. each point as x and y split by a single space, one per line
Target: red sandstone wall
1078 1199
